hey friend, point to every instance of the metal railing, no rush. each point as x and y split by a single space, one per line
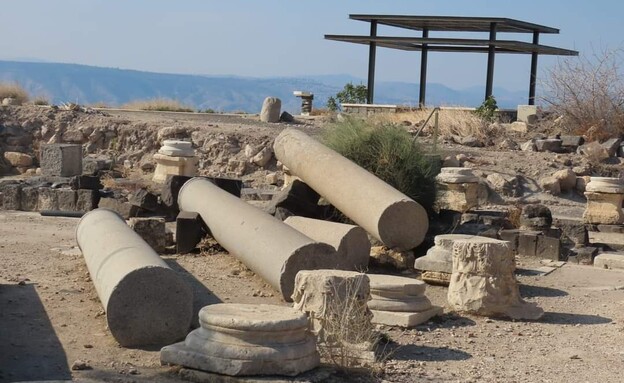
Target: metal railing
435 112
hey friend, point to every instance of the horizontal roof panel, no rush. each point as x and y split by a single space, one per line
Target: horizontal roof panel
455 23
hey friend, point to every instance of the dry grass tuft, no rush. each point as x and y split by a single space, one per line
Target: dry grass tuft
451 122
41 100
13 90
158 104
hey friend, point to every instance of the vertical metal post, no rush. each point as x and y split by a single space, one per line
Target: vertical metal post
372 48
533 79
423 71
489 81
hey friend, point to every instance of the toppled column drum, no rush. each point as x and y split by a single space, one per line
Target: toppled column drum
384 212
269 247
145 301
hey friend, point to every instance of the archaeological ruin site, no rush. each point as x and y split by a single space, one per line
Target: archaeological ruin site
376 243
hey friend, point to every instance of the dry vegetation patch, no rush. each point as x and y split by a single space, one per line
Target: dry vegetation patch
451 122
158 104
13 90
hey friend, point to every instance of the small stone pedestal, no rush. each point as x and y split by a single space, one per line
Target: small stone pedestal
457 189
399 301
175 158
604 201
244 339
306 101
437 264
483 280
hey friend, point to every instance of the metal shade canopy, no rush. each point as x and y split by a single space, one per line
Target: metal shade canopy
426 24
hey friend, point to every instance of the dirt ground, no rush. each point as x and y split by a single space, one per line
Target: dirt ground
50 316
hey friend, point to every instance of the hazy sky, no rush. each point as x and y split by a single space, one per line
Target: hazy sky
284 37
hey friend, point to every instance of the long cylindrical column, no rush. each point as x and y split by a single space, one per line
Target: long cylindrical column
145 301
266 245
386 213
351 242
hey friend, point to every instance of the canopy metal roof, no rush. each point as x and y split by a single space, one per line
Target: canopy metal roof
454 45
455 23
425 44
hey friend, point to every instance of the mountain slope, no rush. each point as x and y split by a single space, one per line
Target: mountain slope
88 84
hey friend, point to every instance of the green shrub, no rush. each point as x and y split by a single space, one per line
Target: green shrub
388 152
350 94
487 109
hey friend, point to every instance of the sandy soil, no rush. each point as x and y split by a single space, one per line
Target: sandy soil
50 316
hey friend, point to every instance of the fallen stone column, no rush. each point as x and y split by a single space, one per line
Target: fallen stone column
145 301
483 280
387 214
272 249
243 339
351 242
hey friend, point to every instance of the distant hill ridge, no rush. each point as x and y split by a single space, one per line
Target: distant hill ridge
86 84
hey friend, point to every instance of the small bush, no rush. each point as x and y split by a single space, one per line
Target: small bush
15 91
41 100
388 152
487 109
350 94
588 91
158 104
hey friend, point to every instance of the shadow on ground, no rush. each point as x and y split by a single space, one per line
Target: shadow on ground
568 318
527 291
426 353
202 296
29 347
448 320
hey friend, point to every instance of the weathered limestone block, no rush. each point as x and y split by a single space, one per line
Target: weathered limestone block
271 108
30 199
548 145
272 249
86 200
189 231
17 159
384 212
336 303
351 242
604 201
145 301
483 280
457 189
244 339
64 160
399 301
48 199
12 197
66 199
437 264
152 230
527 113
609 261
169 165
